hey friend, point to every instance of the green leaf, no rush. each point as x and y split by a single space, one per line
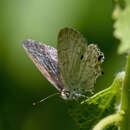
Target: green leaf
122 26
108 123
89 112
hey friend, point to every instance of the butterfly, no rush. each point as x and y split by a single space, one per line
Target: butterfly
72 68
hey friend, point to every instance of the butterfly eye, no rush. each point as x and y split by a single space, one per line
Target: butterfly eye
81 57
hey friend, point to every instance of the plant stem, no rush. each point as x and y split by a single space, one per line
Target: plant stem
108 120
125 98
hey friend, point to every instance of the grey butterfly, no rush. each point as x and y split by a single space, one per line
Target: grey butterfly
73 67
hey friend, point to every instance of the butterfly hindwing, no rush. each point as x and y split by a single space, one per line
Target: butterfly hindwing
90 67
45 59
78 63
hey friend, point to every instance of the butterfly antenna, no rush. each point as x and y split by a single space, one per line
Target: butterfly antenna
44 99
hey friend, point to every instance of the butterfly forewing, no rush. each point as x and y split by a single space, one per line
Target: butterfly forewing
45 58
71 47
78 63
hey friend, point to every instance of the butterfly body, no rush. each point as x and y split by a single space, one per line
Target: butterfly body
72 68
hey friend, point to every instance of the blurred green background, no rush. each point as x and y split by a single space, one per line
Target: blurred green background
21 83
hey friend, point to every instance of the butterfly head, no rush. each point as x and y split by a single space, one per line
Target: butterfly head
65 94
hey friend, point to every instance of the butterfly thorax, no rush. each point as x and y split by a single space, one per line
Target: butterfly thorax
73 93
